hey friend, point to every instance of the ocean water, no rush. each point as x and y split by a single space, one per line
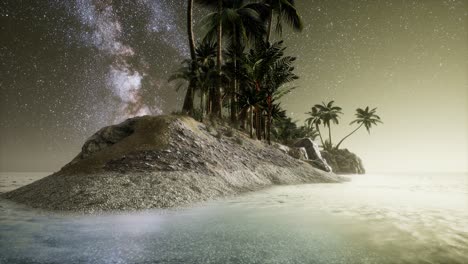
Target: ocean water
412 218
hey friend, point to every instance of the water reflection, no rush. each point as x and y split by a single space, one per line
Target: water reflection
374 219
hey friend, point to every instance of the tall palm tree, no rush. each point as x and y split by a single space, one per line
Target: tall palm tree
329 113
249 100
284 10
364 117
316 120
201 72
216 99
268 70
240 23
188 101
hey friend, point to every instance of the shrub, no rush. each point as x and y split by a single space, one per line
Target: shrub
219 135
230 132
198 115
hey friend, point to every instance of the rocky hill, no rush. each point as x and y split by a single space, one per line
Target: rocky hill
343 161
164 161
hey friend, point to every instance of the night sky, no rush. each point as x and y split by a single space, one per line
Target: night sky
71 67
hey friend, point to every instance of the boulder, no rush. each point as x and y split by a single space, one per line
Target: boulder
298 153
283 148
313 153
344 162
106 137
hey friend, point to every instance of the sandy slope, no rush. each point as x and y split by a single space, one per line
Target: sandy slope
163 161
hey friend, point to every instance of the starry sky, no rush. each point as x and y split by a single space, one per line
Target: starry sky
71 67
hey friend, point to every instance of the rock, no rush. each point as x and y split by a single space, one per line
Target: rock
283 148
344 162
298 153
313 153
106 137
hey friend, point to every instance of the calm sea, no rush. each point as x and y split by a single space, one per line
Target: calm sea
412 218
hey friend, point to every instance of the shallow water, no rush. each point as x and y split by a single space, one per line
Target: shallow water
373 219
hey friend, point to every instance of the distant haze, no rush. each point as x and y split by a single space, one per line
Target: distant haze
67 70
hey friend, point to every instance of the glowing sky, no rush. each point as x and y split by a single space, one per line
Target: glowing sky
70 67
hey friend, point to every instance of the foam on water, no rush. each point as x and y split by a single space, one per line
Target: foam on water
373 219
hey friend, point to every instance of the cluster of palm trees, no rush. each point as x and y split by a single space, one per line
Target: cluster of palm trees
235 69
327 113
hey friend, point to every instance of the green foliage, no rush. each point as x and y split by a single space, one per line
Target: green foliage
284 10
240 21
250 83
367 117
325 113
329 113
327 145
198 115
364 117
286 131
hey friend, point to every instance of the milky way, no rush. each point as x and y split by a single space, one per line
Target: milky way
76 66
124 81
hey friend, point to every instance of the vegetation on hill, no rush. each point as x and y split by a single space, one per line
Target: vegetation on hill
327 113
234 72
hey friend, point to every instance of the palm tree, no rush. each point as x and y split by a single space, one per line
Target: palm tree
285 129
216 99
188 101
329 113
268 70
316 120
240 23
280 74
248 101
283 10
364 117
201 73
308 131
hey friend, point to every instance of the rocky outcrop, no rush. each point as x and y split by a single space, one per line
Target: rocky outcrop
283 148
344 162
313 152
164 161
298 153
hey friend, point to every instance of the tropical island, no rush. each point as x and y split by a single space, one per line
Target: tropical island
231 136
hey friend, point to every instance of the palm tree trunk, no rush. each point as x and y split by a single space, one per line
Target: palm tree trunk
264 127
270 21
257 114
216 106
329 136
188 101
258 125
251 121
242 118
320 135
209 100
234 90
352 132
202 99
269 120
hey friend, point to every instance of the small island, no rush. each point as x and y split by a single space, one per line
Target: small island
232 134
164 161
